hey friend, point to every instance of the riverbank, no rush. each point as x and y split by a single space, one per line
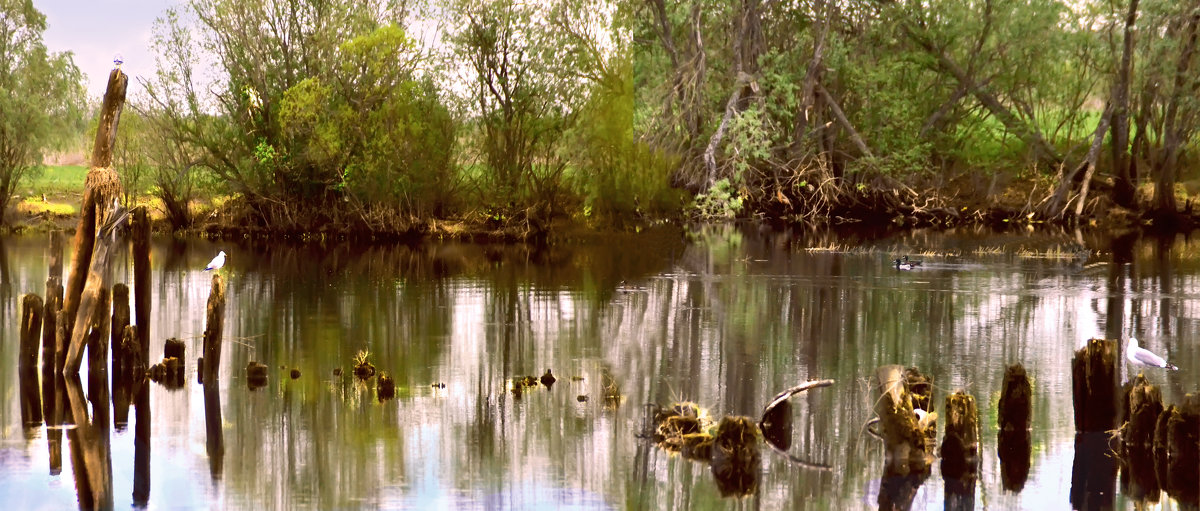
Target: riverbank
1010 208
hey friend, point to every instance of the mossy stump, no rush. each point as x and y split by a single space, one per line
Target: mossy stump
960 447
1094 386
906 447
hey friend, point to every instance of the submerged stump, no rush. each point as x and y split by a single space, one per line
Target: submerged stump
1094 380
385 387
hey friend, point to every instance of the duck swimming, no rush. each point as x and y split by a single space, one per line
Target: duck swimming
914 264
900 265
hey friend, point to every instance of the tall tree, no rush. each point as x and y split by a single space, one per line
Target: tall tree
41 95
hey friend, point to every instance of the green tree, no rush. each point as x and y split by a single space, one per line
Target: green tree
41 96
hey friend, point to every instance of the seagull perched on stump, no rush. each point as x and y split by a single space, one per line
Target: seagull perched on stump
216 263
1144 357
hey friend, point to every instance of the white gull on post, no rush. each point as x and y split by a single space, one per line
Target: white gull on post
217 262
1144 357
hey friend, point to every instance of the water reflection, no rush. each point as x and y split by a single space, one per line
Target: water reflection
726 321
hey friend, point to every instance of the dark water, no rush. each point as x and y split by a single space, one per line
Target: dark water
726 319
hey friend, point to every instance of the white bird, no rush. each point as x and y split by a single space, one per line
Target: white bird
1144 357
217 262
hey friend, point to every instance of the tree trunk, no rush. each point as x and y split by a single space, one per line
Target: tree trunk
811 75
1175 132
1123 183
844 121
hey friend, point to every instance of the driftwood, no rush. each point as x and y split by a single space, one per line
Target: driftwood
776 422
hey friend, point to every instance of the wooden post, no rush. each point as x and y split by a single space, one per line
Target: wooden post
1016 405
97 335
1094 386
120 320
1014 447
102 188
54 292
960 450
31 331
141 280
213 330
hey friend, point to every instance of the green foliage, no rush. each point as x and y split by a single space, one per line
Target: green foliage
41 96
721 202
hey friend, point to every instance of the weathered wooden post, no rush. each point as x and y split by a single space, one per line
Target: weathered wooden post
1014 447
213 330
120 320
97 335
54 292
31 331
141 280
1094 381
960 450
102 188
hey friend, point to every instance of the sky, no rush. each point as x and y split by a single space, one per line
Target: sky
96 30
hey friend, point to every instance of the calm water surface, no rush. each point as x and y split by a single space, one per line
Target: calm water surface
725 317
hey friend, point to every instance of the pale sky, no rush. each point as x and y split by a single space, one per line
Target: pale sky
97 30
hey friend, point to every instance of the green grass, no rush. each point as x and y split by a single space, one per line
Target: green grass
55 179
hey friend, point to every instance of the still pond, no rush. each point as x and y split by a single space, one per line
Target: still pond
725 317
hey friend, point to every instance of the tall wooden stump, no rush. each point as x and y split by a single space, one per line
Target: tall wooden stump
141 279
1094 385
31 331
89 264
960 451
213 330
